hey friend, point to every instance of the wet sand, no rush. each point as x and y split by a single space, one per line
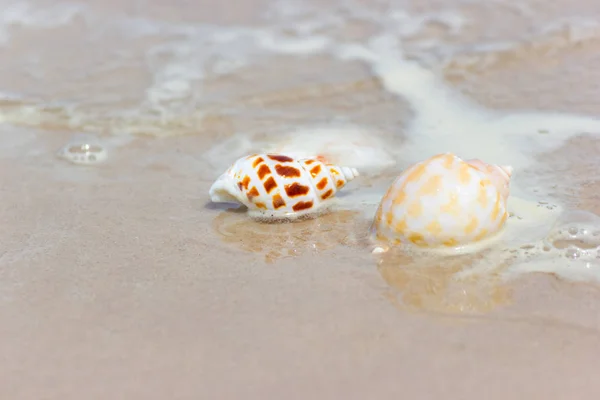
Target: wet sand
163 308
116 280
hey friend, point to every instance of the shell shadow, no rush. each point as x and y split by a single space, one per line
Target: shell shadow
225 207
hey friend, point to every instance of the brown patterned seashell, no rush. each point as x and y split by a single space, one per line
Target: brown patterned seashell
276 186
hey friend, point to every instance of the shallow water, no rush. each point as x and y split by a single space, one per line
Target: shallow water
117 275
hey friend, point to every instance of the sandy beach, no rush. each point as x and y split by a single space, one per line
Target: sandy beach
120 279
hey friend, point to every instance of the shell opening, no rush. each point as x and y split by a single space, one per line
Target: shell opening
222 191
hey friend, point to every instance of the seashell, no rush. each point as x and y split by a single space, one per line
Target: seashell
275 186
444 201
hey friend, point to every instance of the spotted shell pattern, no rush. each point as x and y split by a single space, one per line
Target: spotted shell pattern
276 185
444 201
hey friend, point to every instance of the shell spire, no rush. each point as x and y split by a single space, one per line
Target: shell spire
499 175
349 173
277 186
508 170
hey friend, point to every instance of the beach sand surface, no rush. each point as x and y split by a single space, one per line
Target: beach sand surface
120 279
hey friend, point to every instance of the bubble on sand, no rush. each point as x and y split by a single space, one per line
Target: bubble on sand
84 150
569 250
575 231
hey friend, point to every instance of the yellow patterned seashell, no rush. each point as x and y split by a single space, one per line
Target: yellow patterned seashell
276 186
444 201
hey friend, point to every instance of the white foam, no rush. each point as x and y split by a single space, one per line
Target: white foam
23 13
446 121
268 41
574 29
351 146
408 24
572 270
344 145
27 14
173 79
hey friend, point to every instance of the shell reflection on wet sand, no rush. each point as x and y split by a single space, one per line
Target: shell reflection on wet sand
284 240
432 284
426 283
